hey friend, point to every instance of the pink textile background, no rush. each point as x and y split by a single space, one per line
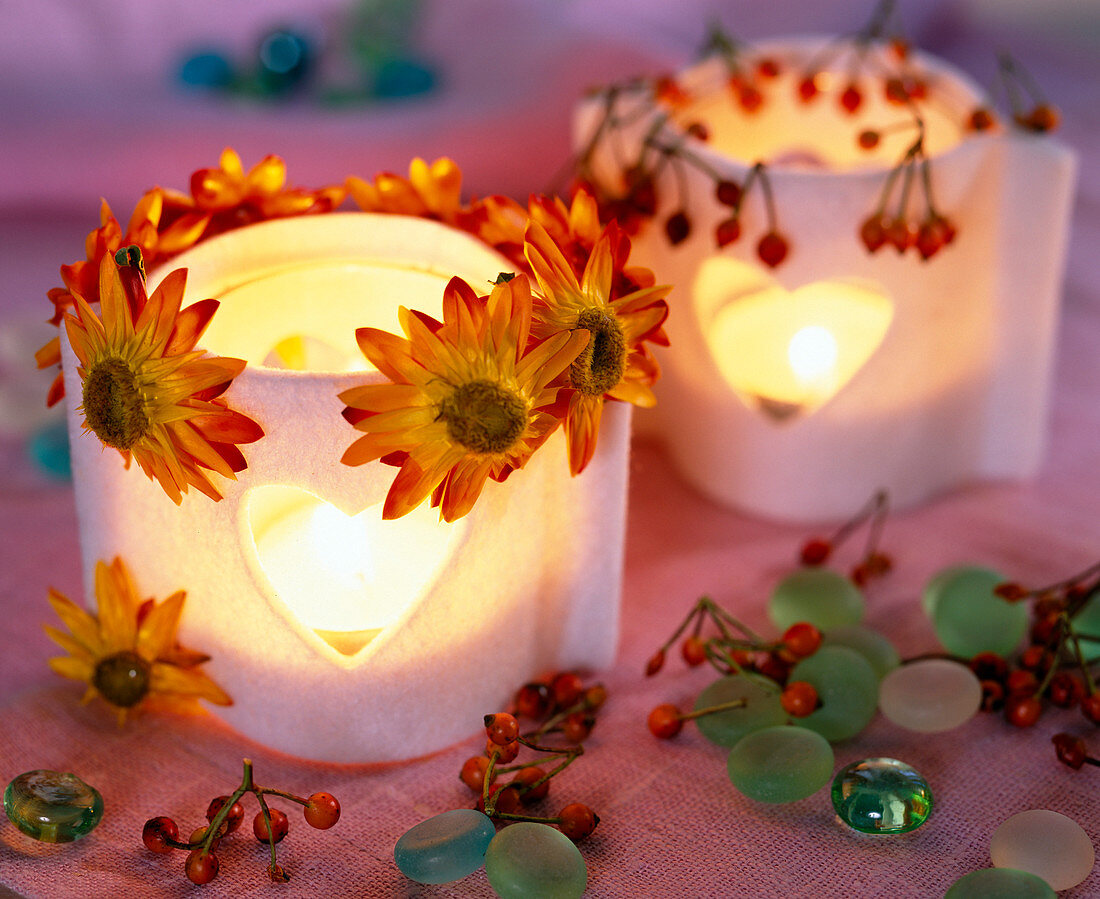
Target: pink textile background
671 823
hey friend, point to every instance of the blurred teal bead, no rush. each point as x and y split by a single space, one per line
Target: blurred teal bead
48 447
969 617
526 860
206 69
872 645
881 796
52 807
1000 883
446 847
847 687
780 764
402 77
762 708
818 595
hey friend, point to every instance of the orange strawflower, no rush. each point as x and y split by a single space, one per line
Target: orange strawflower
127 653
431 191
146 390
615 364
468 396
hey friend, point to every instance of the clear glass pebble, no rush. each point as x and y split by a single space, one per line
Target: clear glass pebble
1000 883
968 616
780 764
847 687
445 847
52 807
762 708
528 859
1046 844
930 696
820 596
881 796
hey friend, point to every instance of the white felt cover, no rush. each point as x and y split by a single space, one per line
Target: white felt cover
957 388
531 583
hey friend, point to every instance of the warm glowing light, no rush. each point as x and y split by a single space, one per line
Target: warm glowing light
788 352
812 353
345 576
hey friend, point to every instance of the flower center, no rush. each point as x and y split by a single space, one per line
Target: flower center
113 405
601 364
484 417
122 678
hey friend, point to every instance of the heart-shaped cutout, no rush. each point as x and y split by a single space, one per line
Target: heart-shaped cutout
787 353
343 578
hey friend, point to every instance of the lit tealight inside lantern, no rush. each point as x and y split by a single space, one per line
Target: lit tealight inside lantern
788 353
345 576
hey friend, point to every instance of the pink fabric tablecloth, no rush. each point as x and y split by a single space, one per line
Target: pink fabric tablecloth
671 823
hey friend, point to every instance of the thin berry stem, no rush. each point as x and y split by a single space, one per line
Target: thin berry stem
714 709
270 829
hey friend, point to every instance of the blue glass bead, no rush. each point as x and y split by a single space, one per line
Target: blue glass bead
818 595
52 807
445 847
1000 883
208 69
48 448
528 859
881 796
397 78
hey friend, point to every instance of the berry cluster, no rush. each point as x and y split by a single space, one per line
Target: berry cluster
901 83
562 706
875 58
1056 666
225 815
736 650
931 231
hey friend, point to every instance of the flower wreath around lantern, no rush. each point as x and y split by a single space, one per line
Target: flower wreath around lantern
469 398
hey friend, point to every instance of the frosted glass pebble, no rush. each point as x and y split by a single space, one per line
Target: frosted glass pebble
1044 843
969 617
1000 883
817 595
870 644
780 764
930 696
847 687
525 860
445 847
762 708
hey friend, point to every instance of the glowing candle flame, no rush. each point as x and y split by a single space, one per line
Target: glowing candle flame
812 353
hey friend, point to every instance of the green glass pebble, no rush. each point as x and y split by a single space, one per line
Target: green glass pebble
445 847
872 645
528 859
881 796
780 764
762 708
1000 883
968 616
53 807
847 686
817 595
1087 623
